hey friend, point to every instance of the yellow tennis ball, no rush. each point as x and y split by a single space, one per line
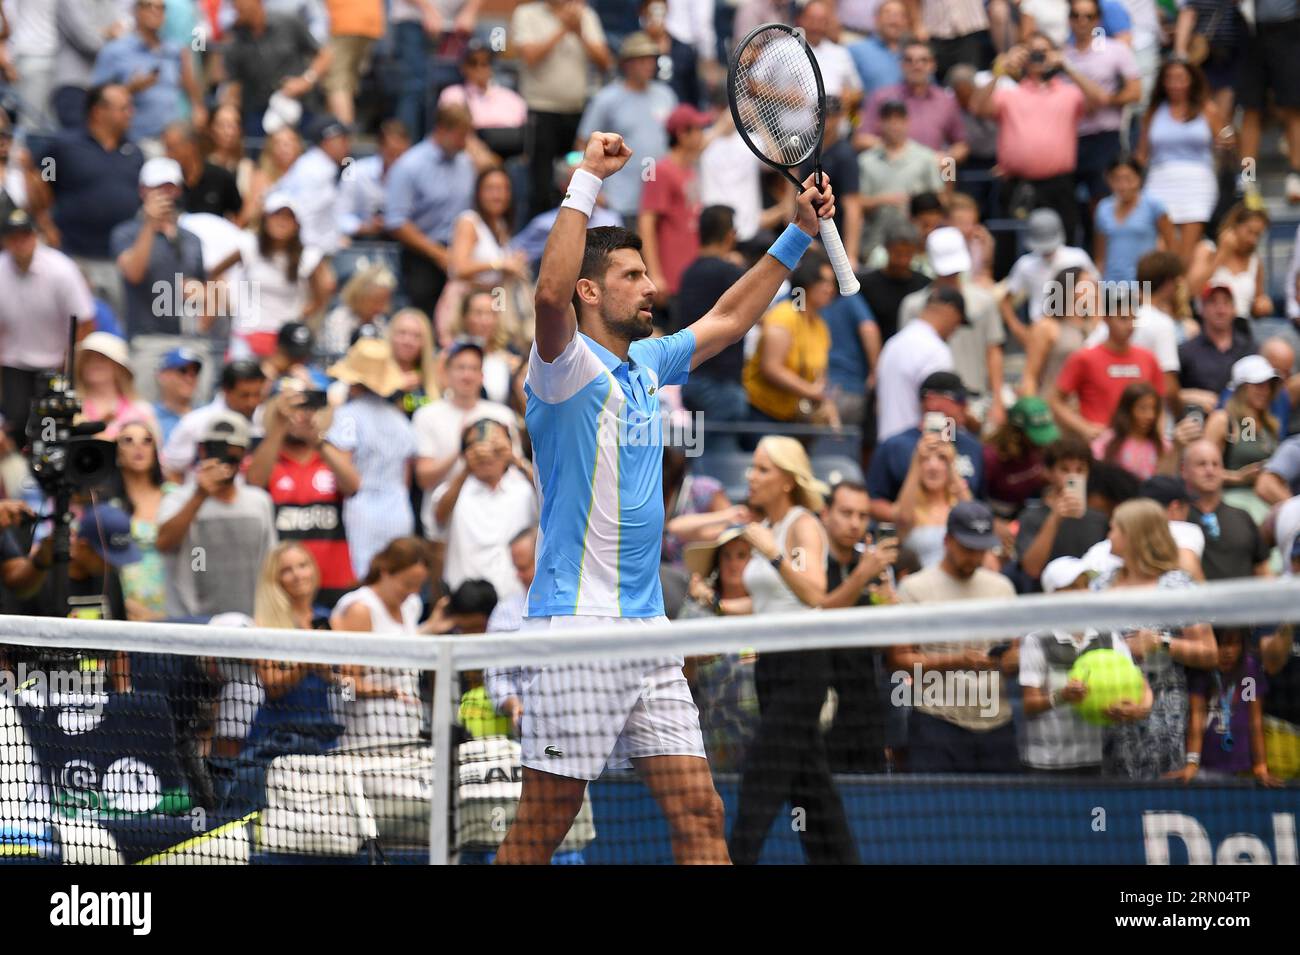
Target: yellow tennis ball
1110 678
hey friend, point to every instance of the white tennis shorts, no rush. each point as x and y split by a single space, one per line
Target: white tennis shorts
580 718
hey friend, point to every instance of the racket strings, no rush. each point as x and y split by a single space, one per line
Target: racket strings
777 97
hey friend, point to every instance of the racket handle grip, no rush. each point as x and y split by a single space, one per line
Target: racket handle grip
830 237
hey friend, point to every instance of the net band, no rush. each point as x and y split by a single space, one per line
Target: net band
1225 602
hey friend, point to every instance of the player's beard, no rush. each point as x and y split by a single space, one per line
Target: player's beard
632 328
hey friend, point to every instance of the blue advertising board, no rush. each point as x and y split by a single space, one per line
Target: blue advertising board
996 820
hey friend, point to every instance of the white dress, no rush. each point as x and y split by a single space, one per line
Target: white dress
1182 174
373 722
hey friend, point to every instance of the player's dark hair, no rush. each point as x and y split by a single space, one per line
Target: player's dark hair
716 222
245 369
856 487
602 242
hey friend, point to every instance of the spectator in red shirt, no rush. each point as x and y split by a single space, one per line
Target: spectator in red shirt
1038 127
670 203
304 487
1099 375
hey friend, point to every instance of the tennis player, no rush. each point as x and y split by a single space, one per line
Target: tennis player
593 414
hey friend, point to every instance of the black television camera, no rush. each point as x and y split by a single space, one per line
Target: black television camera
65 456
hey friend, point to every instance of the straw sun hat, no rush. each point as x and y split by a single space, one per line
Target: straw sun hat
369 363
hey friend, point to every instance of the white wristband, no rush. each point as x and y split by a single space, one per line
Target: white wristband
582 193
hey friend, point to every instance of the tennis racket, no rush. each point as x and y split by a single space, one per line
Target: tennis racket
779 105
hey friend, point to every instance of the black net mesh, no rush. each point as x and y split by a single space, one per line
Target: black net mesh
1060 742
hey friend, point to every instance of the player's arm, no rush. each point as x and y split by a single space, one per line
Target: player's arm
744 303
557 277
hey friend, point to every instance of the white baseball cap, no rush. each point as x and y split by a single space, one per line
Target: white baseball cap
946 248
1063 572
1252 370
161 171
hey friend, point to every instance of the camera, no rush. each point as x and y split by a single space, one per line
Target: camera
222 451
1037 56
65 456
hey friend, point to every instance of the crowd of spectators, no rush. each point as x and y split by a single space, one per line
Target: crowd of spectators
298 239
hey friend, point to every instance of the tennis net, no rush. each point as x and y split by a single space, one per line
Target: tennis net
939 733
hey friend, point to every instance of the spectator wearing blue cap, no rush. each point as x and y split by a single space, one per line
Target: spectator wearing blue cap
177 380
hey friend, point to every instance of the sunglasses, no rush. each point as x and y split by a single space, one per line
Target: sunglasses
1083 16
918 59
1210 524
127 440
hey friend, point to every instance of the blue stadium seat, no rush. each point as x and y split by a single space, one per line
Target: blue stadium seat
729 468
362 255
1279 245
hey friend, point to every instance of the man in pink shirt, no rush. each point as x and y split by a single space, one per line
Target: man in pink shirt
1038 127
934 112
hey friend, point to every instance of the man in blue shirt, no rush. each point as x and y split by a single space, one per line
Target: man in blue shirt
360 208
178 379
855 346
156 72
593 412
879 58
427 189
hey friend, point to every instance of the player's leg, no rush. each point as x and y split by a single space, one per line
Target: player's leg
683 787
548 805
661 739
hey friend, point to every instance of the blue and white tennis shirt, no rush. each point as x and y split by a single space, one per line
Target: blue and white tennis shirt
598 464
